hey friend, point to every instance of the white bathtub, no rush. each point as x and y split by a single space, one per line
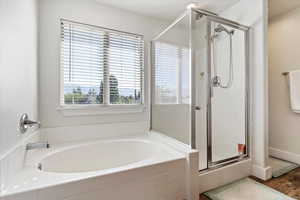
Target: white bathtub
103 155
130 168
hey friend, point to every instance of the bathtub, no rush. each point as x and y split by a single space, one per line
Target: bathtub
105 155
129 168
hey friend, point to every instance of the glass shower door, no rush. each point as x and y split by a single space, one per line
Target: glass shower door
228 106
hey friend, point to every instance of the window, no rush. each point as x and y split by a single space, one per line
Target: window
100 66
171 74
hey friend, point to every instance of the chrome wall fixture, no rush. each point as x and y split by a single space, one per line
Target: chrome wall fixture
25 123
37 145
217 79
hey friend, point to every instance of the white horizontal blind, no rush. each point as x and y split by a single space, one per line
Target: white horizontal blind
185 78
171 74
101 66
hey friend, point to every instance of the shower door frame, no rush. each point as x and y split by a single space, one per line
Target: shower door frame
211 17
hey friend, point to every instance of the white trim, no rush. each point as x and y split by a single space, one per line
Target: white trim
263 173
285 155
82 110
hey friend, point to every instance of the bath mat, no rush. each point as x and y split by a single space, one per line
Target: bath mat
246 189
280 167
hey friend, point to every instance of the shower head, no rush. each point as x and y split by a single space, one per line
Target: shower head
221 28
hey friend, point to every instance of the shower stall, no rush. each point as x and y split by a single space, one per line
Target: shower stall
200 86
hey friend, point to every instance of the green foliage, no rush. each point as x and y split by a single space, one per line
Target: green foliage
100 96
78 97
114 89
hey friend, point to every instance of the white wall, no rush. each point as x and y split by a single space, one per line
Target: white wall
18 61
90 12
284 48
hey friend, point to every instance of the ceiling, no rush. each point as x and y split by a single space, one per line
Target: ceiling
166 9
278 7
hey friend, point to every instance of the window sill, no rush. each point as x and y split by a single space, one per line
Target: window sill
85 110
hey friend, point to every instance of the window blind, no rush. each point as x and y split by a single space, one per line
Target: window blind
101 66
171 66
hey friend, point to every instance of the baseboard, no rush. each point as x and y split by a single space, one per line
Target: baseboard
263 173
285 155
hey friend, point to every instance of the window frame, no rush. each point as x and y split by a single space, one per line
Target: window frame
105 108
